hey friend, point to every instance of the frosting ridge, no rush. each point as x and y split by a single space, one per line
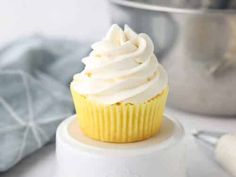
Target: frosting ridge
121 68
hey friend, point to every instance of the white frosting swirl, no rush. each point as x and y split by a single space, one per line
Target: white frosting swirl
121 68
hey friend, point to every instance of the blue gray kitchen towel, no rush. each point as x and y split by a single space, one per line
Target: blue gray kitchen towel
34 97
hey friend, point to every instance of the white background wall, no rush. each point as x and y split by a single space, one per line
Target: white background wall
80 19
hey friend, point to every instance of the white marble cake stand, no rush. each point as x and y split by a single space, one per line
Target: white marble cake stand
162 155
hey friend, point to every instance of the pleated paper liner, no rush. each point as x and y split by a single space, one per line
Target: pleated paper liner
120 123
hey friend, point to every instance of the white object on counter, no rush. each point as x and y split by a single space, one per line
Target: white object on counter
226 152
162 155
223 147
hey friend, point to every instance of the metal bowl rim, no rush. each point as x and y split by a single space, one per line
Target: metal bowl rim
143 6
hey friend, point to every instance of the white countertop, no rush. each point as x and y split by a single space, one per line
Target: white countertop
199 164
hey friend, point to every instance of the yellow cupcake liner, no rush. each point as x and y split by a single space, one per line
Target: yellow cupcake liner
120 123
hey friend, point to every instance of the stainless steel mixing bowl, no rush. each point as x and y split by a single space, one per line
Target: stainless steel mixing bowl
196 43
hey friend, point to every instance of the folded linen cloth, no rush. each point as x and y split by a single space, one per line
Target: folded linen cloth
35 73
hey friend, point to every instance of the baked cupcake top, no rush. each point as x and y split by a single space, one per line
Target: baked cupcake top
122 68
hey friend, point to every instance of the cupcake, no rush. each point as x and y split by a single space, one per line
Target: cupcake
121 94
